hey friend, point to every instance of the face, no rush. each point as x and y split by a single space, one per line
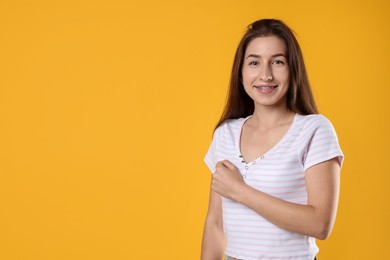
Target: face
265 72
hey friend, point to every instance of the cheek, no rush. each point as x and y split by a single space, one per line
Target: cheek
284 76
247 76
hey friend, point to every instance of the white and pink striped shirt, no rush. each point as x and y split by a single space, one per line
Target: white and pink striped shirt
279 172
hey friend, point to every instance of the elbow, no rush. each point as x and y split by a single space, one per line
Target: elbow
322 235
323 231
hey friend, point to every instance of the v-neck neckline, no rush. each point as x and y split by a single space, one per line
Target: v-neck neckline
262 156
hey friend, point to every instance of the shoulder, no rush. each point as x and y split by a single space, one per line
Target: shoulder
228 131
319 141
315 125
313 118
316 131
314 121
230 125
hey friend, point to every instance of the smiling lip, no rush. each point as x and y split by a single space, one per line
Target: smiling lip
266 89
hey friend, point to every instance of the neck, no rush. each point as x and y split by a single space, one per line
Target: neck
264 117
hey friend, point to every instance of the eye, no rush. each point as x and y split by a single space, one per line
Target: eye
253 63
278 62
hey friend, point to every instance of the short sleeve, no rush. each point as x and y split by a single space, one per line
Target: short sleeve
323 144
211 159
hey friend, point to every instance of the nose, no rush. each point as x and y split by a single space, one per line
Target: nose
265 73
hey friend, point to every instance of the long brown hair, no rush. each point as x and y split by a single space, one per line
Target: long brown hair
299 95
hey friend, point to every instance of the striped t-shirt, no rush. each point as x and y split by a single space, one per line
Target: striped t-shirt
280 172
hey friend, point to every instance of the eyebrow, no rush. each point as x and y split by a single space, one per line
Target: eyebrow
259 56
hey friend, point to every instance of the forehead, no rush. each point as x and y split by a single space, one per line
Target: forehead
264 46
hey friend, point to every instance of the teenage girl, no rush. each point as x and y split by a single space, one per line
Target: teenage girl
275 160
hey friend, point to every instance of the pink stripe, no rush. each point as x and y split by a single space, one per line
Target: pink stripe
279 174
265 169
289 187
267 162
282 250
230 229
255 227
278 181
266 245
260 238
322 152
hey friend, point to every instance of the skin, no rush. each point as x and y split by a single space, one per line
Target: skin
264 66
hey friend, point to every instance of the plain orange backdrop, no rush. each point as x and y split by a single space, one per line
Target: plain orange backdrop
107 110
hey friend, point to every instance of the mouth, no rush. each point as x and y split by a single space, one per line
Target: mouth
266 89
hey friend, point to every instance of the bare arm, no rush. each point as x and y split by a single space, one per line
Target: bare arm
213 244
315 219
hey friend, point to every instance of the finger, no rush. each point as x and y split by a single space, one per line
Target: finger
217 176
228 164
219 167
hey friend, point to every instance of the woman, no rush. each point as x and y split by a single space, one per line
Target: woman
275 160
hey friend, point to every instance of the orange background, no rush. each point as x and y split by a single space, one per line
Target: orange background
107 110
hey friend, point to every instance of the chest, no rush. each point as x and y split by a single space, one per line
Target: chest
254 142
